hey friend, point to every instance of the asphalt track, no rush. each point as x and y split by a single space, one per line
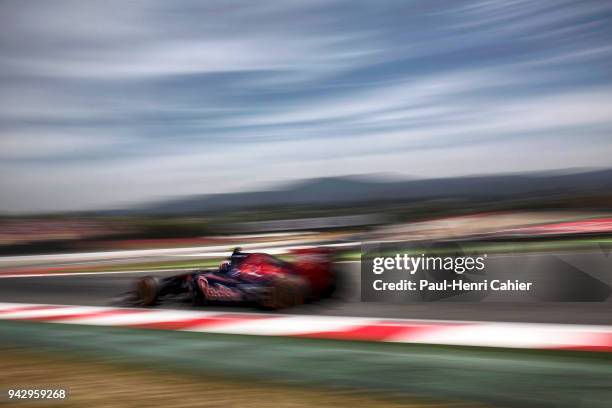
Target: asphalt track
105 289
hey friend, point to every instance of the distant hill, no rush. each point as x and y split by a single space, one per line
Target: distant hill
335 191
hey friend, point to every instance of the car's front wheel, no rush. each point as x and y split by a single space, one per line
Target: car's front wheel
195 288
147 291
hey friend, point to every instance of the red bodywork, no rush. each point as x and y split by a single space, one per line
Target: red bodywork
314 265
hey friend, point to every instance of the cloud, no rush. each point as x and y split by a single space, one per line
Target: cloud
44 144
114 102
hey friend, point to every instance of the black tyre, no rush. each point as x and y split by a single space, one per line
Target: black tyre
197 298
147 291
284 293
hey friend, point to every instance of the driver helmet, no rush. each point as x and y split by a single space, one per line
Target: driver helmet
224 267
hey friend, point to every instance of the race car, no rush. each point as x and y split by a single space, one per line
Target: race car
247 278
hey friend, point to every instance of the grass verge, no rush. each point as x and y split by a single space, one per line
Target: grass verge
498 377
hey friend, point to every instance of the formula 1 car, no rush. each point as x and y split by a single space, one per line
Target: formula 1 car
247 278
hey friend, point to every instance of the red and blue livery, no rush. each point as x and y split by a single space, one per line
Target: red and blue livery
247 279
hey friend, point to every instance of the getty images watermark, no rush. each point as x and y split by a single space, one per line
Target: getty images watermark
453 271
457 265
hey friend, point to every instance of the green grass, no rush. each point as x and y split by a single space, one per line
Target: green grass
490 248
500 377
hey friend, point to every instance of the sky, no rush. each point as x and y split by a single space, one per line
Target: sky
104 104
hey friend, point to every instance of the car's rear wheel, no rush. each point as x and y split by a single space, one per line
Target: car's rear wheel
331 289
147 291
284 293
